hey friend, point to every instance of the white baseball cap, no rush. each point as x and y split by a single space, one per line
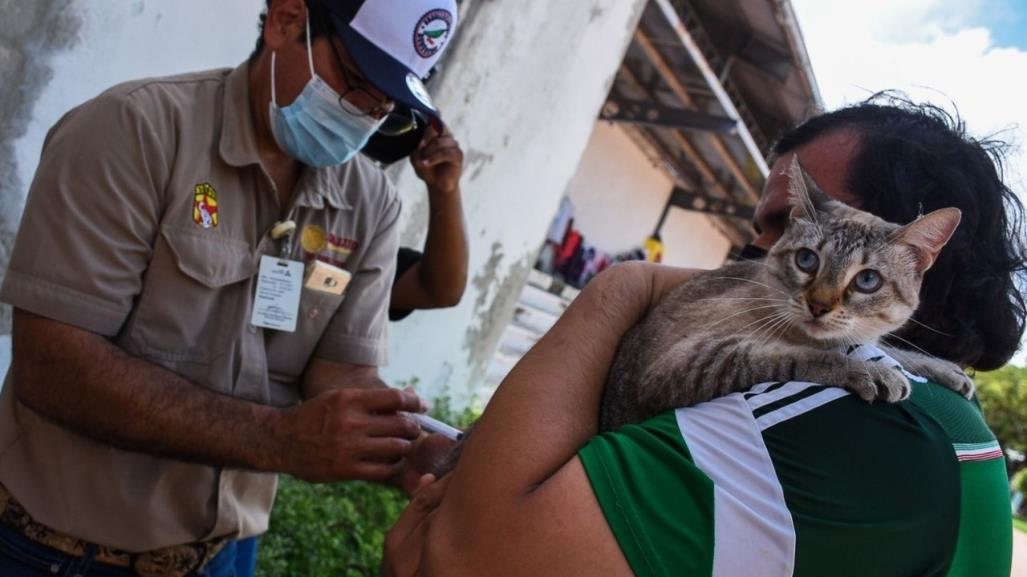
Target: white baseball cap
395 43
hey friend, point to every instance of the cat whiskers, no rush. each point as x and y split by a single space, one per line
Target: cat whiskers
742 312
813 214
930 328
894 336
742 299
776 330
769 324
763 322
753 282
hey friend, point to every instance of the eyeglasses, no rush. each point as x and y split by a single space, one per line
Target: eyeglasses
402 121
356 93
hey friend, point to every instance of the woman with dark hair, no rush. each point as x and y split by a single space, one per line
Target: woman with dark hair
763 484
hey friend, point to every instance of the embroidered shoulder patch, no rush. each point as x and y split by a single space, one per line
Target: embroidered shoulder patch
205 206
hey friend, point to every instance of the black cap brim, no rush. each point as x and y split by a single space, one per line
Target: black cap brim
385 72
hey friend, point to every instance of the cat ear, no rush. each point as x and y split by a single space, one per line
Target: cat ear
804 195
928 234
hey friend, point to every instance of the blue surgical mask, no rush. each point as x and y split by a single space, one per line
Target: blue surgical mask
315 129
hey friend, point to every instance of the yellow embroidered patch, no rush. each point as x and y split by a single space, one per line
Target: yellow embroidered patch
313 238
205 206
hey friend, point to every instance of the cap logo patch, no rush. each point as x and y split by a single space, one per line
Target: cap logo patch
432 31
419 91
205 205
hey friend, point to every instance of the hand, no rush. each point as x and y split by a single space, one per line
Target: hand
346 434
426 456
626 291
439 162
405 542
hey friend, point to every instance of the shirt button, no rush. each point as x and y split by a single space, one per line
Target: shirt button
313 314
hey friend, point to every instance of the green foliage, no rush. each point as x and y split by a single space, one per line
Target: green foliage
338 529
1020 524
330 530
1003 396
1019 482
442 410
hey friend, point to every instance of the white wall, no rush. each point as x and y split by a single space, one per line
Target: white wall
691 240
618 196
124 40
71 53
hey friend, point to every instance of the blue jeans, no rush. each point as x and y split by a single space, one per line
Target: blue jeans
22 557
245 557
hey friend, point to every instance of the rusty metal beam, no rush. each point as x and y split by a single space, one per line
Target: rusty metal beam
648 113
704 203
694 157
678 88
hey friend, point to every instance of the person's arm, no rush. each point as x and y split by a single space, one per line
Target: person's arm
439 279
519 502
83 382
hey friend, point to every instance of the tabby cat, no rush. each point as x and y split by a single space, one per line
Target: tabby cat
837 277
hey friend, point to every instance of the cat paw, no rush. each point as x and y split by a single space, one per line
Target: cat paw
882 384
956 380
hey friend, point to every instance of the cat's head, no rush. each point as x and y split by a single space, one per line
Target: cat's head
847 275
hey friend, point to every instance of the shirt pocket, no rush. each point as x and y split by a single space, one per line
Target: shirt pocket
288 353
193 300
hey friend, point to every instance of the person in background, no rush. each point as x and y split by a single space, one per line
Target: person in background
437 277
787 480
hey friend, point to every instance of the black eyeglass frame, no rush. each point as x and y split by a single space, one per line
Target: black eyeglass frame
385 106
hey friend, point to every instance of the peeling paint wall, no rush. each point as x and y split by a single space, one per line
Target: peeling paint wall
55 54
521 91
29 31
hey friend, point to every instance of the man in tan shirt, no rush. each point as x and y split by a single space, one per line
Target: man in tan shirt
150 402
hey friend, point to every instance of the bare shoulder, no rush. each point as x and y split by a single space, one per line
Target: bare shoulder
533 528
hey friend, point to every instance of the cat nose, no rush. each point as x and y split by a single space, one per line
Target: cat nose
818 309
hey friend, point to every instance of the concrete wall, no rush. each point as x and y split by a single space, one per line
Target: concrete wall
54 54
618 196
521 91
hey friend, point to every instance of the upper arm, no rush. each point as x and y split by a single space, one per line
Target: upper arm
409 293
557 529
91 215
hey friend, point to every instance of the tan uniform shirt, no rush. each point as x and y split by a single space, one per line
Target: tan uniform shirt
145 223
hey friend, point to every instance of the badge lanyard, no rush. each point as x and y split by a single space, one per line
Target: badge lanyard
276 303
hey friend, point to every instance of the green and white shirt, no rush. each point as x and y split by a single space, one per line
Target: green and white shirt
798 479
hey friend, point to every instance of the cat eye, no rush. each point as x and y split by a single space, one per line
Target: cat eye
868 281
807 260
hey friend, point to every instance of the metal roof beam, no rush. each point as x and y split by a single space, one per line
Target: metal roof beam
690 44
645 112
675 84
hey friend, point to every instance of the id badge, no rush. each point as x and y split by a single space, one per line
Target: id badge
279 286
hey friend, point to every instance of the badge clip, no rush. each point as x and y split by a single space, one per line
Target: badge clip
326 278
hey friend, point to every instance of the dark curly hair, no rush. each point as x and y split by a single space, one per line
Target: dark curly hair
320 25
914 157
